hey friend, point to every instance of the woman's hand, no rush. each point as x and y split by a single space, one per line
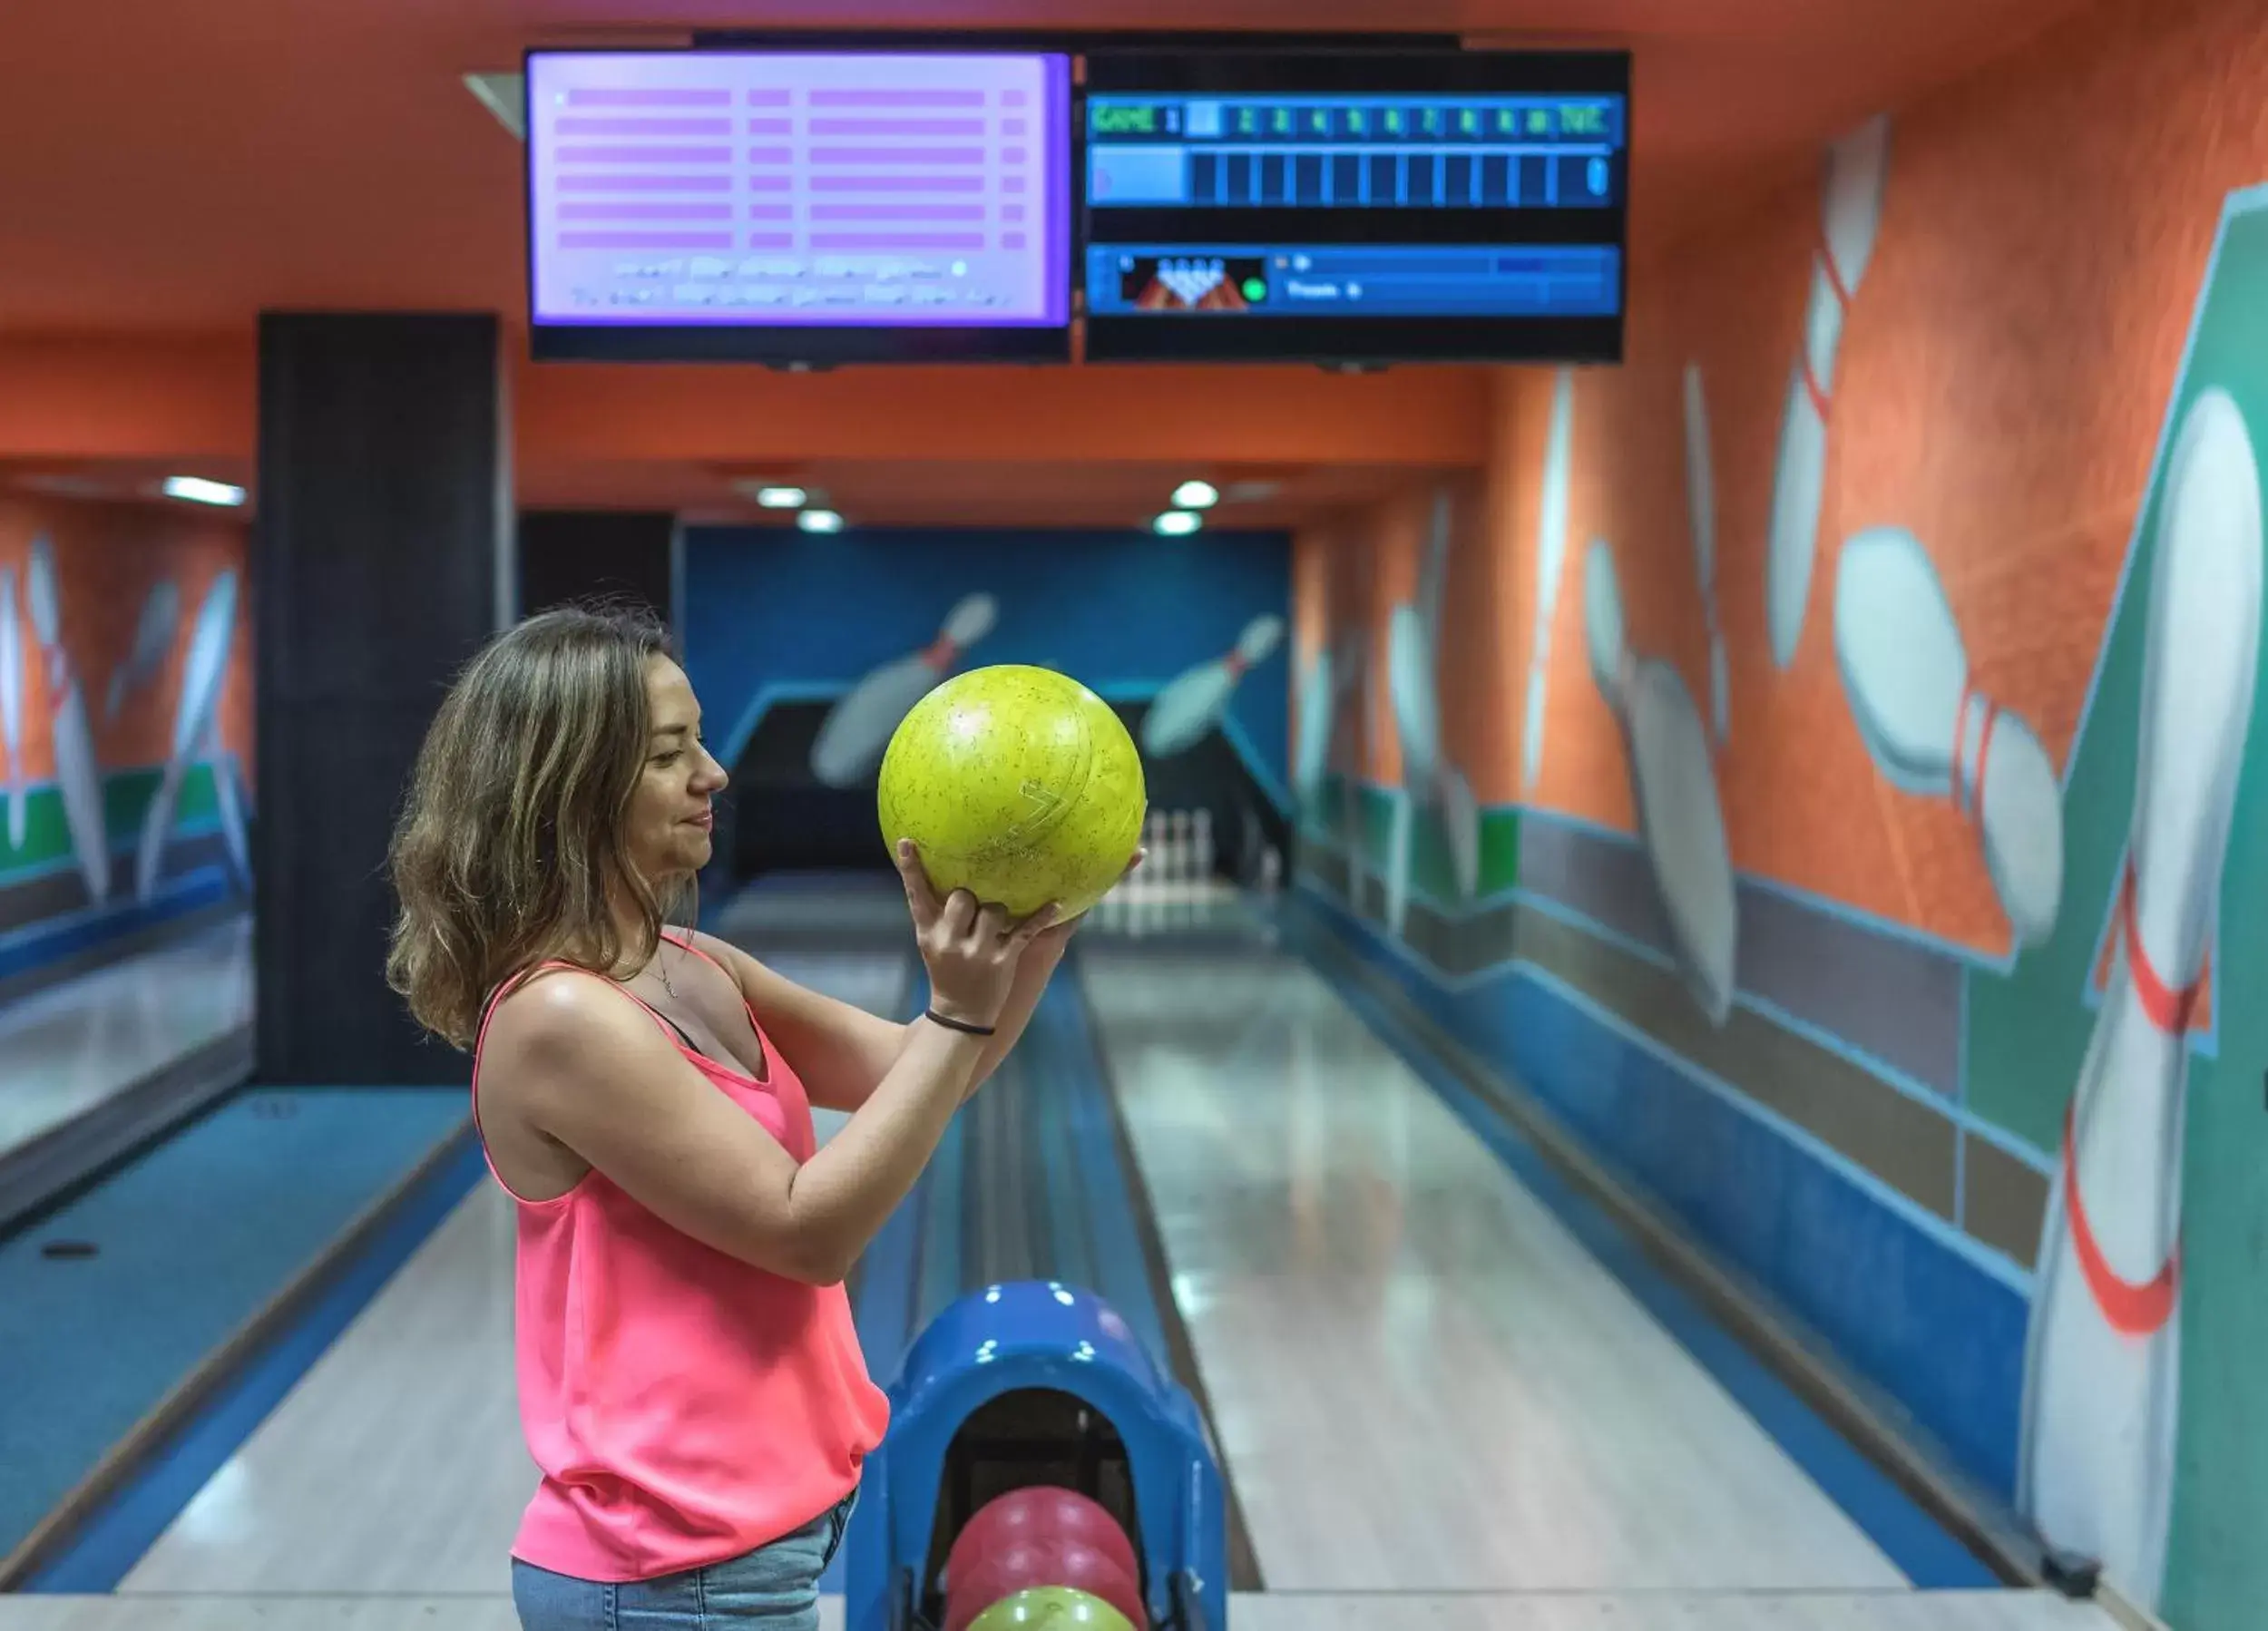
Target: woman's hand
1064 931
970 950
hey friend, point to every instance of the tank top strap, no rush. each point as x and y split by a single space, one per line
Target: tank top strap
686 945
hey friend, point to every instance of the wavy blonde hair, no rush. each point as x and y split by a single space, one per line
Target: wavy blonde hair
513 844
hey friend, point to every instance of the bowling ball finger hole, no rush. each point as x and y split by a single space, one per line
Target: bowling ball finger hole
66 1251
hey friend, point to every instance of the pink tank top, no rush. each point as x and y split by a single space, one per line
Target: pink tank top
683 1406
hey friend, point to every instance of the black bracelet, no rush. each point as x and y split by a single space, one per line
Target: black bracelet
961 1025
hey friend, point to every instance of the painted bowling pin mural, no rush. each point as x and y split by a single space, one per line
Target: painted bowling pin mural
196 741
78 771
1433 787
153 641
1550 563
858 729
1931 732
2103 1376
12 709
1701 519
1851 216
1959 880
121 730
1673 783
1192 704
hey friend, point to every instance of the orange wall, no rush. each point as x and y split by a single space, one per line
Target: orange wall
2000 388
107 557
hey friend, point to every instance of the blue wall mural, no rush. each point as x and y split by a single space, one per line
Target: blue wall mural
807 649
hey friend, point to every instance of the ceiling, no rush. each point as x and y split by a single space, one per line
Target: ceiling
878 493
174 169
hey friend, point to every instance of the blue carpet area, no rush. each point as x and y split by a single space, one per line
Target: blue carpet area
193 1239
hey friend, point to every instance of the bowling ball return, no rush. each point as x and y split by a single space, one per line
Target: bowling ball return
1036 1383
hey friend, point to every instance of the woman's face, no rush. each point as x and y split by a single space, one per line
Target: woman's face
669 814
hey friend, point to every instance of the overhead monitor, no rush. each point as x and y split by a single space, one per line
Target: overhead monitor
799 207
1351 206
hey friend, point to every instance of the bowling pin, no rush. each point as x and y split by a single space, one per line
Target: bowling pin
195 731
1852 210
1413 634
78 774
1317 695
1399 838
1673 785
227 797
153 638
858 728
1193 702
12 709
1905 674
1701 519
1201 846
2103 1362
1551 559
1411 631
1460 824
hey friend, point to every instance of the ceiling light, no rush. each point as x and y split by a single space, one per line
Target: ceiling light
819 521
1196 496
1175 524
197 490
781 498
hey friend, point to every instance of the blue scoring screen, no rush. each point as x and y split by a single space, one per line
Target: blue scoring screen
1459 223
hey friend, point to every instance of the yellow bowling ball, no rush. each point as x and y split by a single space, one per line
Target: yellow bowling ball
1019 785
1050 1608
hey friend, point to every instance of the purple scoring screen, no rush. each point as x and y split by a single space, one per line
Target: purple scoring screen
758 189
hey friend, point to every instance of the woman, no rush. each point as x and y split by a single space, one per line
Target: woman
690 1383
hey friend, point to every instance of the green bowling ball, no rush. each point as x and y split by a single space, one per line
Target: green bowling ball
1050 1608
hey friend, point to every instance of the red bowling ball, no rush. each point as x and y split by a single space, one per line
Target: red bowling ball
1040 1512
988 1576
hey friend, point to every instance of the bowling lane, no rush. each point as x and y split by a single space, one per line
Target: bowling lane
1423 1382
75 1046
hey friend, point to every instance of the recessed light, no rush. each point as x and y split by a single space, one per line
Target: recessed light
1196 496
197 490
819 521
1175 524
781 498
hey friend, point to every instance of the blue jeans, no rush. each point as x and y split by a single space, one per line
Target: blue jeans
775 1587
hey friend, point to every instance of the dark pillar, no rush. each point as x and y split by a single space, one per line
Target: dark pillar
380 562
575 554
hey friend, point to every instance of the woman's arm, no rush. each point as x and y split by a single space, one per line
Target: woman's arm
841 1052
584 1068
1032 975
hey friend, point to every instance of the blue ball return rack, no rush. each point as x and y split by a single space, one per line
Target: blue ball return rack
1036 1383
